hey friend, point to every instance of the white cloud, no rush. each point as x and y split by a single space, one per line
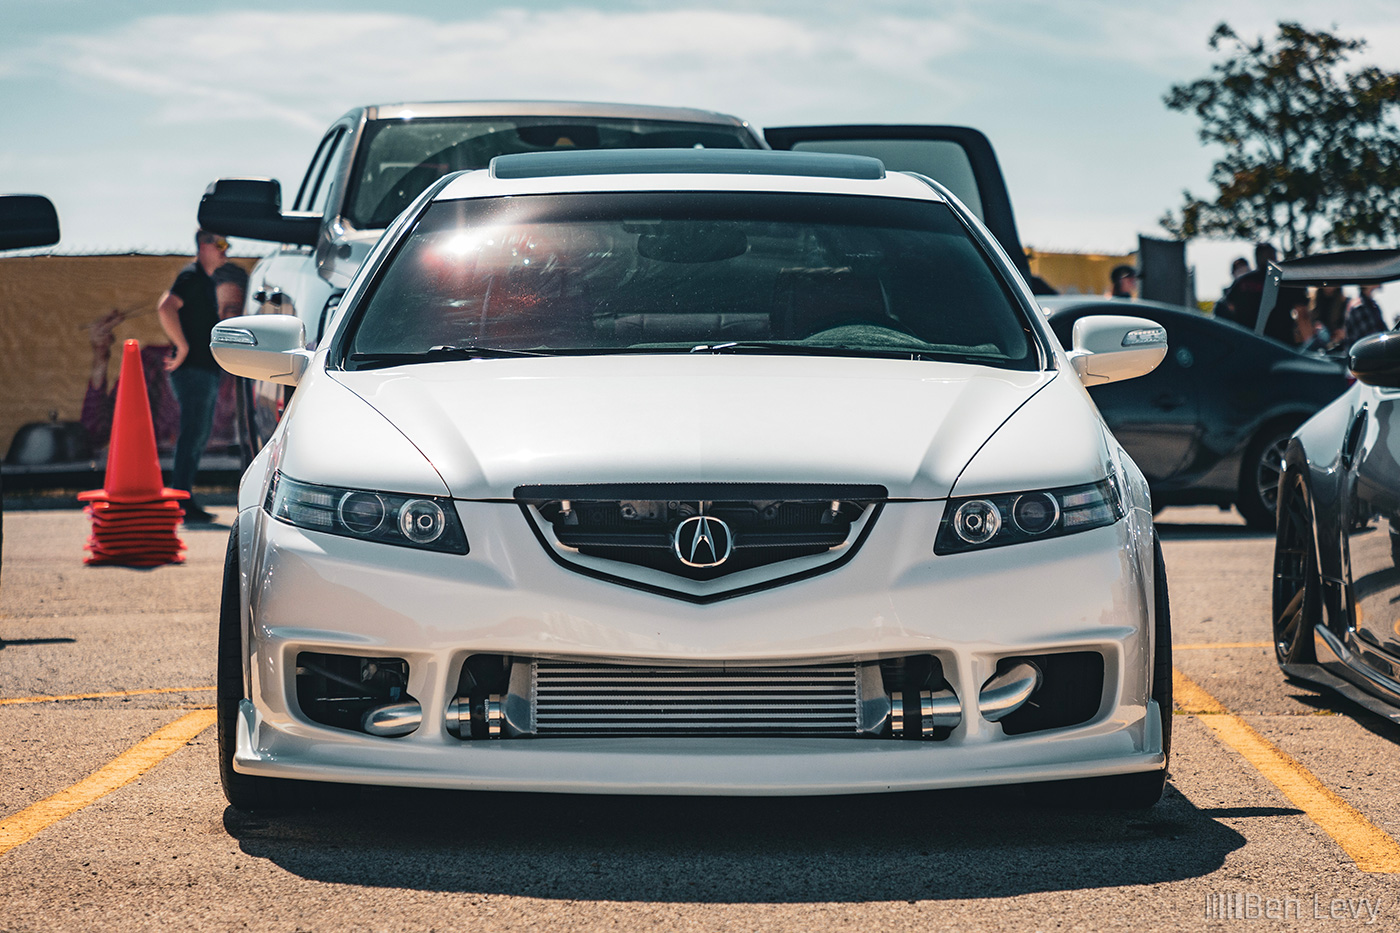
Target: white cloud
1170 38
298 69
1069 93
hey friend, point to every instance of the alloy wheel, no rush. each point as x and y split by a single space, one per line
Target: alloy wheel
1268 469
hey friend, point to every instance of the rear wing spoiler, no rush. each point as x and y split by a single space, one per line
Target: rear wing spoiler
1350 267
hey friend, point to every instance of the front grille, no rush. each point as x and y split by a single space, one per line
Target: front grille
754 525
593 700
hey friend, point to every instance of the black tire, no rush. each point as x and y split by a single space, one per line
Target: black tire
1297 596
1140 790
1260 472
243 791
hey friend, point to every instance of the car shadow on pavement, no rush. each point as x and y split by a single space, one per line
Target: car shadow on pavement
1325 701
26 642
914 846
1204 531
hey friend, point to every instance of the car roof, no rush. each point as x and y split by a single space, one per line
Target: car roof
685 170
543 108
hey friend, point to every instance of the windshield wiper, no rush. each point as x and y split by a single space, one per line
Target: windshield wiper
815 349
437 354
739 346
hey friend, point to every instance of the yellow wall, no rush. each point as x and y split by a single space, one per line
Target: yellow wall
1078 273
46 303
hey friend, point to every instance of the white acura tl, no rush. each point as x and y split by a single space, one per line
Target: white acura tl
676 472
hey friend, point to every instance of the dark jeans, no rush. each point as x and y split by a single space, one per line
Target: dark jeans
196 389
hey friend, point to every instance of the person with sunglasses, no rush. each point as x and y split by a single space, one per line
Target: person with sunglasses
188 312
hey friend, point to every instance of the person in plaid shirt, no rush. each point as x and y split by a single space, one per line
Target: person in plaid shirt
1364 316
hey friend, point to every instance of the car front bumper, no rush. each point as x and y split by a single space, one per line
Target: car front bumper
306 591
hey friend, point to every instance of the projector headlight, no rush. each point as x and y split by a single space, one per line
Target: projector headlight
425 522
992 521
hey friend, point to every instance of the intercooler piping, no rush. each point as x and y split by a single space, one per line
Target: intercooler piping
459 716
393 719
1008 691
938 709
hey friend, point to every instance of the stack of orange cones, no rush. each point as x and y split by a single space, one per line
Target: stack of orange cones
134 517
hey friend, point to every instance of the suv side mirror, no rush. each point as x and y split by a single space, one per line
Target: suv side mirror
27 220
252 208
1375 360
1113 347
270 347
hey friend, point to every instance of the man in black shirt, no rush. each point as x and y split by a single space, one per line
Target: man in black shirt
1241 303
188 312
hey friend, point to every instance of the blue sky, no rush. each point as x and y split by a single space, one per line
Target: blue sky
123 112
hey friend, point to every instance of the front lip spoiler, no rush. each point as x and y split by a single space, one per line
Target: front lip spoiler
811 767
1327 647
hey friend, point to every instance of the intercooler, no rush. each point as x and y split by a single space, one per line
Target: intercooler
557 698
907 697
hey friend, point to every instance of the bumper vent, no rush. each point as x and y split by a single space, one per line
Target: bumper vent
1070 694
594 700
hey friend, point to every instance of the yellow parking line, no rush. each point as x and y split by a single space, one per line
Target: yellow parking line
120 771
1223 644
5 701
1369 847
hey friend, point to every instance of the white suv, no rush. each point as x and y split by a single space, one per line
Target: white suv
375 160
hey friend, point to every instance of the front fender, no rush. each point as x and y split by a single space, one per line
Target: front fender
1315 453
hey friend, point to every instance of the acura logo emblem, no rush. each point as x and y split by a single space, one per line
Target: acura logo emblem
702 541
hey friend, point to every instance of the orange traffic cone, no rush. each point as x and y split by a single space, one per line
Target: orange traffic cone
134 516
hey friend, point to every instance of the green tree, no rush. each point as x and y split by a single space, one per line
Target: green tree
1311 149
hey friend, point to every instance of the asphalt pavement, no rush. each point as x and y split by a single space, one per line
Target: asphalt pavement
1280 812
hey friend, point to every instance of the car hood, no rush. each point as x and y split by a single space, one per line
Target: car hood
488 426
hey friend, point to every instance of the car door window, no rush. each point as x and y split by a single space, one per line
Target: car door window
314 173
944 161
321 186
958 157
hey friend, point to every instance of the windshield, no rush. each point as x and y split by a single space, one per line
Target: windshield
690 271
398 159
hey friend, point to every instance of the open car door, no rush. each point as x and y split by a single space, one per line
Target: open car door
958 157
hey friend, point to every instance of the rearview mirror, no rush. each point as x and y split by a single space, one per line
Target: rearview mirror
270 347
1375 360
27 220
252 208
1112 347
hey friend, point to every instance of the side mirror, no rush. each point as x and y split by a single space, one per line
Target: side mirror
252 208
1111 347
1375 360
27 220
270 347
